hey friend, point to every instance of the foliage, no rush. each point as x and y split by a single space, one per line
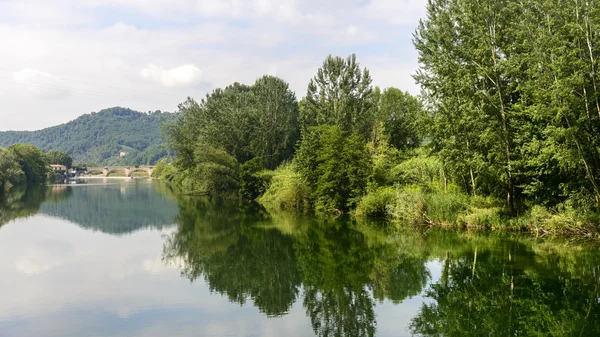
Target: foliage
287 190
244 121
252 182
376 203
384 158
56 157
334 166
214 173
514 107
11 173
400 114
340 94
32 162
99 137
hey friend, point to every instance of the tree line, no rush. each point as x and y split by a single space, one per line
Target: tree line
506 132
27 165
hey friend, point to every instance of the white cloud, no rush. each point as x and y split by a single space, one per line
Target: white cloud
352 30
400 12
40 84
181 76
152 54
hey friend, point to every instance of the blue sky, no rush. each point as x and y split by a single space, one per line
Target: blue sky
63 58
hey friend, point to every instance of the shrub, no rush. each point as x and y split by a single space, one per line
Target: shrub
444 207
252 183
563 219
409 206
420 170
482 218
287 190
376 203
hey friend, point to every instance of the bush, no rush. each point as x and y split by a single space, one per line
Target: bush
419 170
252 183
563 219
444 207
482 218
409 206
376 204
287 190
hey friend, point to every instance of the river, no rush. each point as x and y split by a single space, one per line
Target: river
132 258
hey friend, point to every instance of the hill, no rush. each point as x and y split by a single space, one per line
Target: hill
100 138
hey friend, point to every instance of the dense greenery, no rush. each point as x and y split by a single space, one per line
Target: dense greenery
55 157
237 129
100 137
515 110
506 134
22 165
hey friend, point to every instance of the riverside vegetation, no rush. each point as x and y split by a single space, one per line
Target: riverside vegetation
24 166
506 134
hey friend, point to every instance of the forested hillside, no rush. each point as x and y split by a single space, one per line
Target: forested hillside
99 137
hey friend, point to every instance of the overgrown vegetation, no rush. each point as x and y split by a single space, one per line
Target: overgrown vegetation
506 134
22 165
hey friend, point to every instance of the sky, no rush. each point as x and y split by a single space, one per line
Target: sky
62 58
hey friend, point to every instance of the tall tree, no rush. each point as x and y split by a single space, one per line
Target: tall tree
399 112
340 94
276 131
464 53
245 121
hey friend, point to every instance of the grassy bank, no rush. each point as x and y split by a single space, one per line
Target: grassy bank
420 205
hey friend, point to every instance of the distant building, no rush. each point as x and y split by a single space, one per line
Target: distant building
123 154
56 168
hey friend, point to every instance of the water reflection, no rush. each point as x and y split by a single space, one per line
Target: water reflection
490 283
21 203
513 288
233 269
114 208
342 270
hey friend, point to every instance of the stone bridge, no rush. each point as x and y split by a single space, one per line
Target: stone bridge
127 170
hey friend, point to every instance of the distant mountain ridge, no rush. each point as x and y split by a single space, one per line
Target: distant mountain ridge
101 138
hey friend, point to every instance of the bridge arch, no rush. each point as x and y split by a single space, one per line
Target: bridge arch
126 170
148 171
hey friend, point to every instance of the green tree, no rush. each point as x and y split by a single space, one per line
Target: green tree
10 171
276 132
32 161
245 121
340 94
59 158
336 167
399 112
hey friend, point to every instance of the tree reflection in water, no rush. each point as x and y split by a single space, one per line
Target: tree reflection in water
242 254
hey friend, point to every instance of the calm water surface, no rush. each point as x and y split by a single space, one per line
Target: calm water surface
130 258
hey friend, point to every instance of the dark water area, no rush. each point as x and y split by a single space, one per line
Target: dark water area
132 258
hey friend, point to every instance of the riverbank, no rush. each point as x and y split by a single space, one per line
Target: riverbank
100 177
